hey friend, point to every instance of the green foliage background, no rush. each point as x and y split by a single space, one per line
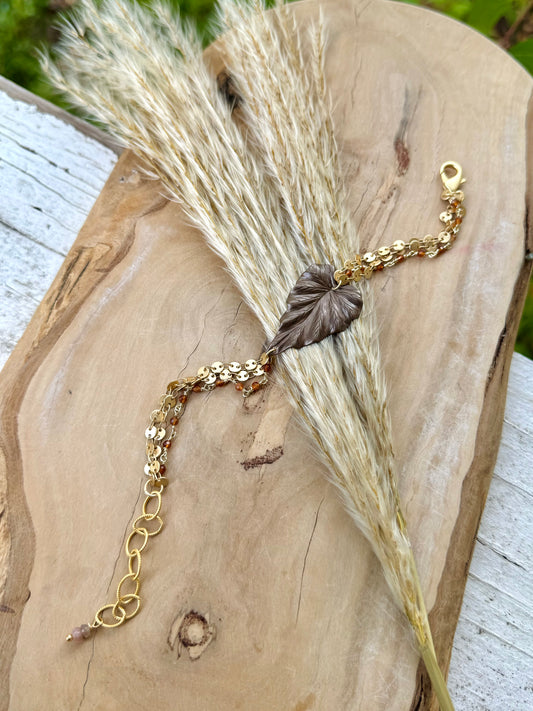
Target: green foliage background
27 24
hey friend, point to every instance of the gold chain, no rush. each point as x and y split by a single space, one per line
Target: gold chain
161 431
364 265
162 428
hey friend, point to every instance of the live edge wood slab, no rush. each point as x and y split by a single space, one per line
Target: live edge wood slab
256 542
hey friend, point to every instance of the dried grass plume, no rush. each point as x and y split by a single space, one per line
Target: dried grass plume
269 201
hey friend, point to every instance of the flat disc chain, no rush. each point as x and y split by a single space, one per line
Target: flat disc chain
363 266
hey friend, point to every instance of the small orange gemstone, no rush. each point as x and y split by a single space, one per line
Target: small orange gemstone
454 202
183 399
457 221
174 420
401 258
255 385
162 469
421 253
197 388
267 368
239 386
379 268
348 272
167 444
220 383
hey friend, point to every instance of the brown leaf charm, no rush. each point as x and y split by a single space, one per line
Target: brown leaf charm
316 309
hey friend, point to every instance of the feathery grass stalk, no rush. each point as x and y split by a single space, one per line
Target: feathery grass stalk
267 201
294 130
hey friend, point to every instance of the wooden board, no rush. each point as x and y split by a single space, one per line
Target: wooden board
266 551
490 669
51 172
493 645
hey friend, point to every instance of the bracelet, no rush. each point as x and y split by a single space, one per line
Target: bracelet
253 374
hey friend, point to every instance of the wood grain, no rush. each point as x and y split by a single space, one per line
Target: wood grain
260 543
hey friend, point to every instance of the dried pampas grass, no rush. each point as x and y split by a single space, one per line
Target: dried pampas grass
269 202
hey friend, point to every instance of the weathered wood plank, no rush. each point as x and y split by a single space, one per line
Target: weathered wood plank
50 176
492 655
45 107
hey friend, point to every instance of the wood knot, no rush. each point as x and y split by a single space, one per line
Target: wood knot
194 633
269 457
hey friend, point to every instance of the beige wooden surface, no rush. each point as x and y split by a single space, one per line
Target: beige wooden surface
239 537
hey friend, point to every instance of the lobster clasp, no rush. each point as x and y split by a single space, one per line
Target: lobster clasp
453 181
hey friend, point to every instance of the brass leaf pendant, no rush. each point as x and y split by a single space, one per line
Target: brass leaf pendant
316 307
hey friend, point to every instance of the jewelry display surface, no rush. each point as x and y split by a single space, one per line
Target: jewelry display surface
157 251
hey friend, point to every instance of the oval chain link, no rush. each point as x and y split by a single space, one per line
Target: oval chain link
128 600
162 425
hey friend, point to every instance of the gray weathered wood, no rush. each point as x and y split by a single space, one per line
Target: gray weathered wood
50 175
492 660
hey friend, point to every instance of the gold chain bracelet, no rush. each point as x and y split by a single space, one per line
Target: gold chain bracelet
248 378
363 266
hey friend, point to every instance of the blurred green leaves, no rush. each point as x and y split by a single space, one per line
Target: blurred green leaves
24 24
484 15
523 53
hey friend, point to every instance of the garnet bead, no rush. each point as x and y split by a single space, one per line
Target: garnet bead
255 385
174 420
162 469
167 444
238 386
183 399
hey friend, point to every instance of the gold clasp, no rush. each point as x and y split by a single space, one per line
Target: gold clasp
451 182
